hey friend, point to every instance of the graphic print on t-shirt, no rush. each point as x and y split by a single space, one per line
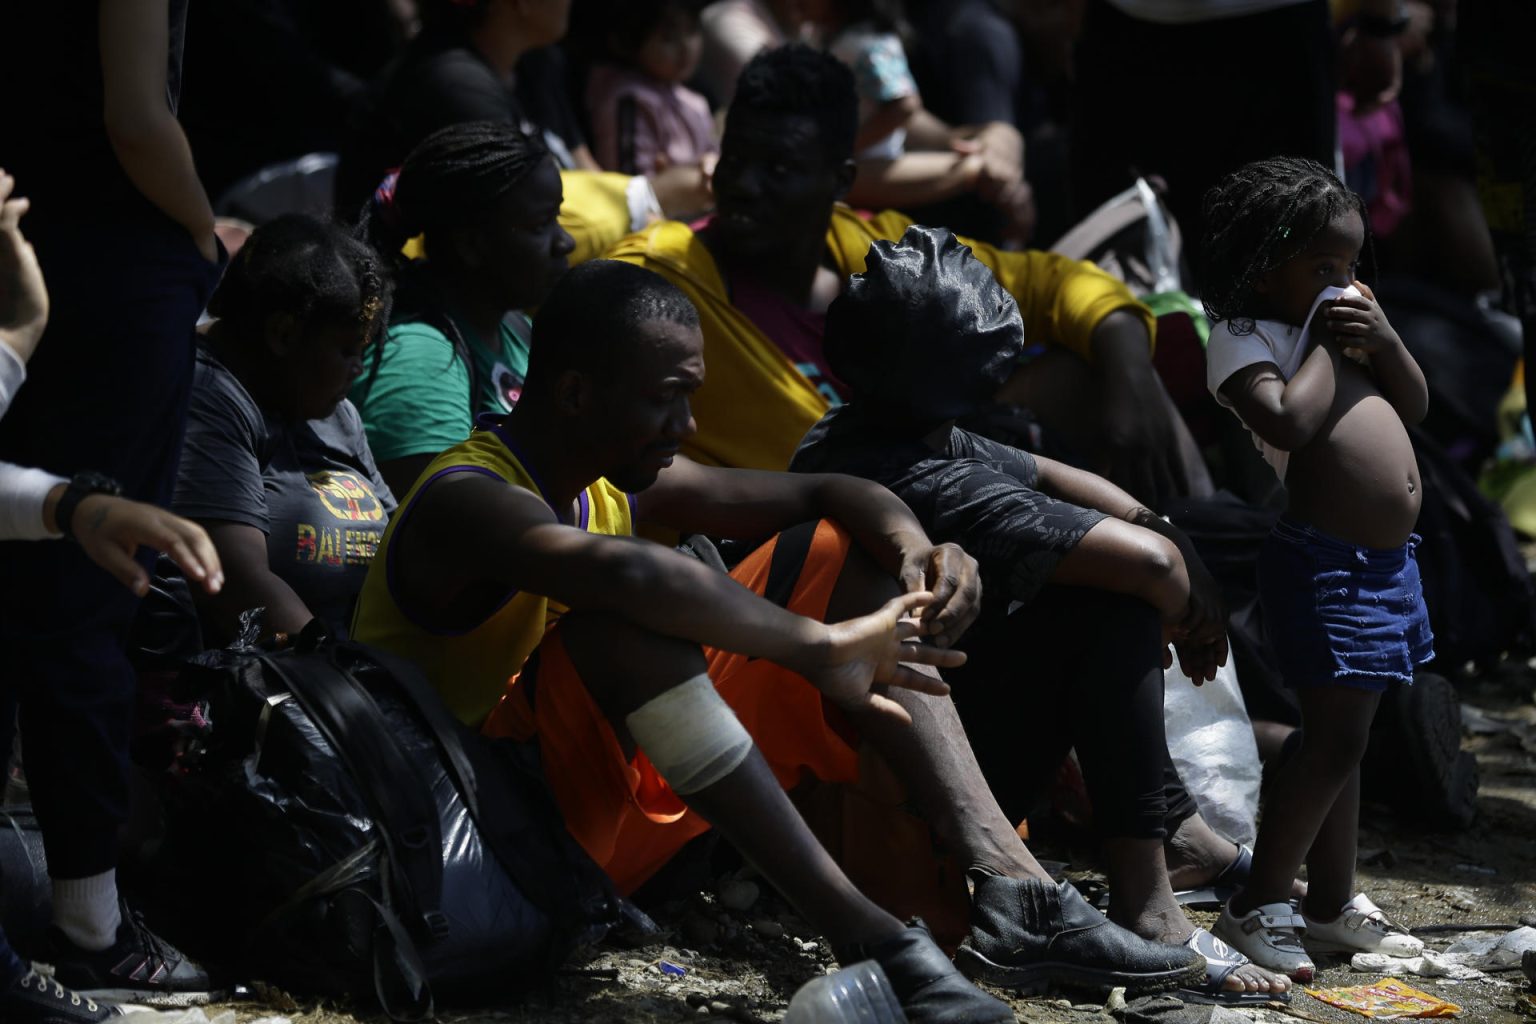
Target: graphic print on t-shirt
349 498
507 385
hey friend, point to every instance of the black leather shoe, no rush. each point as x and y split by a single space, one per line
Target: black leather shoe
36 998
140 967
1034 935
926 984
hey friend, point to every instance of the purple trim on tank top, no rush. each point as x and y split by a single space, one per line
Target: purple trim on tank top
583 504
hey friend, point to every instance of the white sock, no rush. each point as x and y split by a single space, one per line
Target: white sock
86 910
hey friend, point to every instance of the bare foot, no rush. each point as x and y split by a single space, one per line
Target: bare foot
1248 977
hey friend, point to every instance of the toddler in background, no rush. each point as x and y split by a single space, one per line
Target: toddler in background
865 35
1304 356
644 119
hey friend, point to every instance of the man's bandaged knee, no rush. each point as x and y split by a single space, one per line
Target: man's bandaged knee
691 735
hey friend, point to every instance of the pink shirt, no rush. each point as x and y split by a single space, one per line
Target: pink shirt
636 120
1376 164
796 331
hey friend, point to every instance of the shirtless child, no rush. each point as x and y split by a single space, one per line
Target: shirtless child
1303 355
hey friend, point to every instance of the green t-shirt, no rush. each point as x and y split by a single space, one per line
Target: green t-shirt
418 401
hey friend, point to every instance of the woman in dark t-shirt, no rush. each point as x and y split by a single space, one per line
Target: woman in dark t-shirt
275 465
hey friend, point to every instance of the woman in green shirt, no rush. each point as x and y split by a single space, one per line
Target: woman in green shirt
483 197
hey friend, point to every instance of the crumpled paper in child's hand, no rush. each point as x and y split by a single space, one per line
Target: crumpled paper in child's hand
1387 999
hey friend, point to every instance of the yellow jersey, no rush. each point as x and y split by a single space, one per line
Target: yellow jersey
471 667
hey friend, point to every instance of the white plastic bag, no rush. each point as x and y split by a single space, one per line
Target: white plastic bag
195 1015
1211 740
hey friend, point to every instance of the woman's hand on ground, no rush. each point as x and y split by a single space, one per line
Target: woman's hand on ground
23 296
110 530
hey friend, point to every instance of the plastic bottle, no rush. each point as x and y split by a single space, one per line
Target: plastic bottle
857 994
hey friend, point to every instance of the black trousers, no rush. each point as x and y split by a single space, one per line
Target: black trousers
1075 668
106 391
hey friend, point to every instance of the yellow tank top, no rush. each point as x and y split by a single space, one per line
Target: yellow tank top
470 668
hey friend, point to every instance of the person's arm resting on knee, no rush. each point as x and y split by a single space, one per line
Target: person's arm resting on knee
520 544
1162 568
749 504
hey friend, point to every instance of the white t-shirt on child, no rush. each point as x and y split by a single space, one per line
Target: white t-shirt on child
1270 342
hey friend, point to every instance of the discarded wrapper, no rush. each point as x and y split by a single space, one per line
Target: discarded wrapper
1388 999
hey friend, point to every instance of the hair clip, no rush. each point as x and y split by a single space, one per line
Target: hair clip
1285 232
384 199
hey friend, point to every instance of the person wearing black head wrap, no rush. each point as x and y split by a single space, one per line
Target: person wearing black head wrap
925 334
1083 586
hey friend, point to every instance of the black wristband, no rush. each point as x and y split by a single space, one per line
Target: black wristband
81 487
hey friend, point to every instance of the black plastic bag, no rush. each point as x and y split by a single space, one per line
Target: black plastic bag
341 834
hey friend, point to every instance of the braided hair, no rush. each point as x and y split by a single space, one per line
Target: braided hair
1257 218
307 269
449 182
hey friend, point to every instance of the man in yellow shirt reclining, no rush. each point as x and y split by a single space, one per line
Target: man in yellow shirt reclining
780 247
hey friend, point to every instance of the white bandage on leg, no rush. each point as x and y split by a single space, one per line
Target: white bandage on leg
692 736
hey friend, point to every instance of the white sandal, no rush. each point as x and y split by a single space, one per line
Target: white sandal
1361 927
1270 936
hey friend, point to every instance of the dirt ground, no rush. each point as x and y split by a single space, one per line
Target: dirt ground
1486 875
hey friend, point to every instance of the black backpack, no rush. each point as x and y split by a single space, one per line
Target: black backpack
345 835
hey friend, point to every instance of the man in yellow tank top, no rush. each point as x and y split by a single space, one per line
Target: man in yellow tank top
667 697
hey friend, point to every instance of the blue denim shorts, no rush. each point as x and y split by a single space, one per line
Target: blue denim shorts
1340 614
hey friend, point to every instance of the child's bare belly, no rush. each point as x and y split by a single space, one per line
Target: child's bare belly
1357 479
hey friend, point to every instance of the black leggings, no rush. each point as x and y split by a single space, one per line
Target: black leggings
1075 668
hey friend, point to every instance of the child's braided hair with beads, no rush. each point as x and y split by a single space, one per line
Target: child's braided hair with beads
1257 218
